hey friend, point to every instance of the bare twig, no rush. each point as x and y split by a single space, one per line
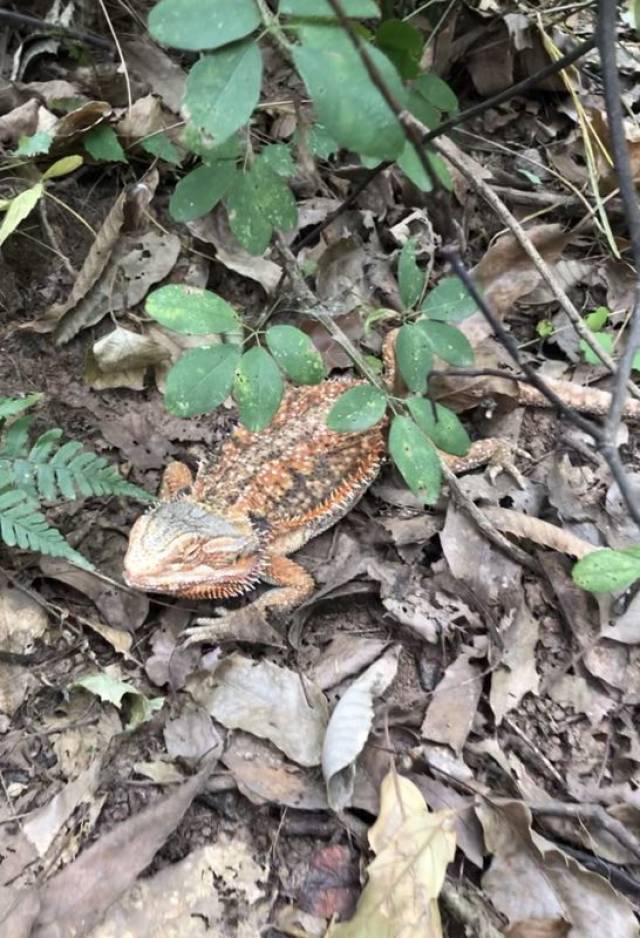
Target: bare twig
595 814
511 222
33 22
116 41
607 18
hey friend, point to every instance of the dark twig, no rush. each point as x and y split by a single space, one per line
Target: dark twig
32 22
474 111
595 814
607 19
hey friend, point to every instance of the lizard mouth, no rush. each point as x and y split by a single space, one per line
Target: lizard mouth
200 582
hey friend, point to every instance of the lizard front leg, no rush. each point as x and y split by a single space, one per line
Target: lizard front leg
293 586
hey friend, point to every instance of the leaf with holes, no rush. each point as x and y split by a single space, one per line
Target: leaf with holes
201 190
346 101
414 357
607 570
447 342
191 310
416 459
201 379
190 24
357 409
223 89
410 276
441 425
258 202
296 354
449 301
257 389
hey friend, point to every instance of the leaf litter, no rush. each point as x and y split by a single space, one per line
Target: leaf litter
423 647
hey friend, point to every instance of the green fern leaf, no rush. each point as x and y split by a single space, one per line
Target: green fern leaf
10 406
23 525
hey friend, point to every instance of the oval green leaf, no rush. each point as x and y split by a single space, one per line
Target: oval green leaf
414 357
402 44
358 9
436 91
410 277
258 202
201 189
19 208
223 88
449 301
411 164
192 24
257 389
102 143
416 459
346 101
607 570
296 354
443 427
64 166
447 342
200 380
191 310
357 409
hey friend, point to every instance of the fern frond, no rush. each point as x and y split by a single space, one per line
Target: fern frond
23 525
49 472
10 406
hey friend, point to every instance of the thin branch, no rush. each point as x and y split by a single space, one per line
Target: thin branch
32 22
455 121
116 41
595 814
607 19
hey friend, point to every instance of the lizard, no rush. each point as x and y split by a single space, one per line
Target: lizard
265 494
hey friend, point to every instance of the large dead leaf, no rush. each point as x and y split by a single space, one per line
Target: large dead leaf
120 360
270 702
413 848
214 228
454 703
532 878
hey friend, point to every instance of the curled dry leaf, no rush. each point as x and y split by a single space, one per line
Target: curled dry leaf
530 877
271 702
413 848
346 655
120 360
349 727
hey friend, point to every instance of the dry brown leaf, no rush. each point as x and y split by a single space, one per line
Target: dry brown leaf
22 121
162 74
454 703
143 119
540 532
530 877
120 360
346 655
539 928
516 674
214 229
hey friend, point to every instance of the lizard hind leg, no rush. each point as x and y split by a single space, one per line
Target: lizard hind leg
176 476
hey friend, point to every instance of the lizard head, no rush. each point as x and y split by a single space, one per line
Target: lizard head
184 549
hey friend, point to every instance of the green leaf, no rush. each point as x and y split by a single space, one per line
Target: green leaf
545 328
345 100
68 164
447 342
402 44
19 208
319 142
446 431
258 202
196 142
449 301
357 409
201 379
296 354
160 145
425 112
410 276
437 92
257 389
111 689
277 157
191 310
201 189
416 459
604 339
102 143
411 164
10 406
194 24
606 570
223 89
34 145
414 357
358 9
597 319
